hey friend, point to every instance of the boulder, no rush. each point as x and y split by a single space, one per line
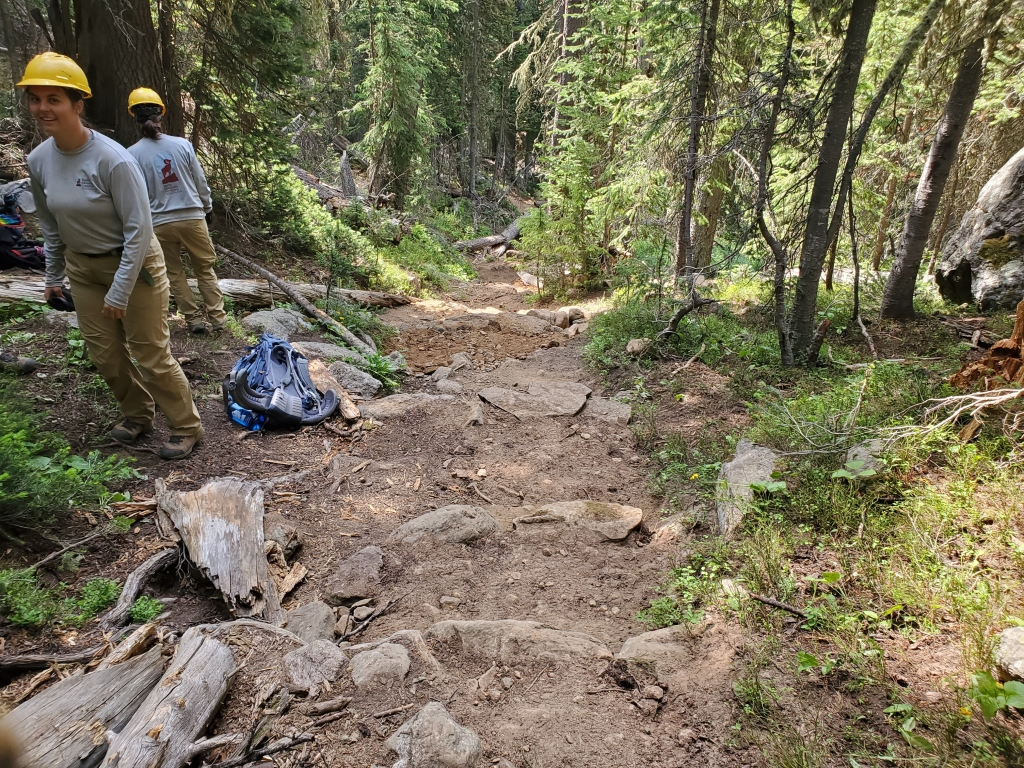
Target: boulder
412 640
314 664
432 739
441 373
359 384
357 577
461 360
404 404
542 398
1009 654
608 410
983 261
575 314
869 452
670 530
385 664
318 350
561 320
611 521
752 465
544 314
470 323
453 524
277 322
637 347
524 325
508 640
279 529
311 622
450 387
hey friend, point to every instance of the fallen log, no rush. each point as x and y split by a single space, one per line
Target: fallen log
19 285
132 646
63 727
511 233
221 527
27 662
165 731
134 584
322 317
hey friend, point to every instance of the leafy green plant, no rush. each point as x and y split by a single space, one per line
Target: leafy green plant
96 595
381 369
854 469
25 602
808 661
993 696
905 723
77 355
146 608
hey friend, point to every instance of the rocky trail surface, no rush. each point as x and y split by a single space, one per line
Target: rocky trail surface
469 566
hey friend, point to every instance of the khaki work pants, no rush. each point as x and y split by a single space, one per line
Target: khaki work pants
154 378
195 238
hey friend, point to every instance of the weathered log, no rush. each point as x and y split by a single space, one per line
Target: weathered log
323 379
63 727
132 646
221 526
322 317
134 584
511 233
27 662
165 731
19 285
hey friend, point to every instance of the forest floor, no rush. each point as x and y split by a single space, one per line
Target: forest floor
727 692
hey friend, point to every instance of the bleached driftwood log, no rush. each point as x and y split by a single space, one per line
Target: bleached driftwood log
19 285
64 726
166 730
221 526
132 646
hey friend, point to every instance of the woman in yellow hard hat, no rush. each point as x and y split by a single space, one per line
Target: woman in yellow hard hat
94 213
180 200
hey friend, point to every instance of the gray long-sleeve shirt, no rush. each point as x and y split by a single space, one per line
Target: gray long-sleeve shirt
177 185
92 200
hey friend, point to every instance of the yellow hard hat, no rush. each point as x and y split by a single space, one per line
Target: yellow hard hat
54 69
145 96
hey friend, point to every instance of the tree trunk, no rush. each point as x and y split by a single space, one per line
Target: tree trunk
709 205
701 86
174 120
119 51
777 248
944 221
883 224
815 243
830 268
898 299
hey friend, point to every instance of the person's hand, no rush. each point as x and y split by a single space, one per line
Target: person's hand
112 313
50 292
209 218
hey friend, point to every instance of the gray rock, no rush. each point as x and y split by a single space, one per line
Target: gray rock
638 347
508 640
1009 654
450 604
312 665
404 404
357 383
561 320
611 521
530 279
412 640
752 465
356 578
277 322
461 360
983 260
362 613
455 523
318 350
575 314
397 360
869 452
450 387
542 398
608 410
432 739
440 374
544 314
524 325
312 622
280 529
470 323
385 664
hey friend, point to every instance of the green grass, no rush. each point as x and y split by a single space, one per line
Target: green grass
146 609
25 602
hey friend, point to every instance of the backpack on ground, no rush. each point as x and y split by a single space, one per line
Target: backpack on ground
270 387
15 250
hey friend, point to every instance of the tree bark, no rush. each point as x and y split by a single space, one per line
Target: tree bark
174 120
701 86
709 206
898 299
947 214
777 248
815 242
890 196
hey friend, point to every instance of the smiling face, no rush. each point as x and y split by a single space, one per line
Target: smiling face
54 111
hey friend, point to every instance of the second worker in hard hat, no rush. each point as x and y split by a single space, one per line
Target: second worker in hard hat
180 200
92 207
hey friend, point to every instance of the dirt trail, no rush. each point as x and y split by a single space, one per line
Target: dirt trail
547 710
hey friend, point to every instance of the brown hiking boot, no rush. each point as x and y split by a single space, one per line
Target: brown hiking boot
198 328
128 431
180 446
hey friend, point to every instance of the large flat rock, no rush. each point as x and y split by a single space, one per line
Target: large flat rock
277 322
611 521
406 404
542 398
359 384
608 410
507 640
455 523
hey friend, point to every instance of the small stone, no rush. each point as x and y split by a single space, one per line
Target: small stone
461 360
648 707
432 739
653 692
494 695
481 473
314 621
615 611
546 552
1009 654
450 604
515 575
585 435
686 737
592 603
314 664
518 675
362 613
440 374
507 682
450 387
637 347
386 663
